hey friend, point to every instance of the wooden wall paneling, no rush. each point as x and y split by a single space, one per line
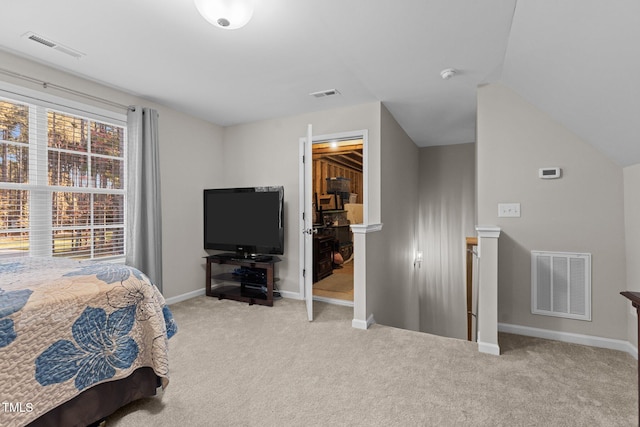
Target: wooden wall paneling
323 169
317 178
325 173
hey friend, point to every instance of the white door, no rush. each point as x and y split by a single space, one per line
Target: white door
307 215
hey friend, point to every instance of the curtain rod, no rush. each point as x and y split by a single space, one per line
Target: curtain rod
47 85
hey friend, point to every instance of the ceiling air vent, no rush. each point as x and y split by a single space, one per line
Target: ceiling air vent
41 40
54 45
323 93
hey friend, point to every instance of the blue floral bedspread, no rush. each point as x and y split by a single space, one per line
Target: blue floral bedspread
66 325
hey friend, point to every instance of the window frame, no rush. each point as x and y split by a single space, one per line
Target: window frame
40 237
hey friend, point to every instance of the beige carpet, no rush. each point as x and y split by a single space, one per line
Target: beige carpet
239 365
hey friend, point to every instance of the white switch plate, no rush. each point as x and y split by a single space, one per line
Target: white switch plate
509 210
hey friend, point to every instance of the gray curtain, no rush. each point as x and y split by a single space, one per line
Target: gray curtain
144 221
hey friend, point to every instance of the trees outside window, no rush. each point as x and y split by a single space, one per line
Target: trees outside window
61 183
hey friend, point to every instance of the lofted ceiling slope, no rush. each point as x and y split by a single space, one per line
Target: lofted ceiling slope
579 62
576 59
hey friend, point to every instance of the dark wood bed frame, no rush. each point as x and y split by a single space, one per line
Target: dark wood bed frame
100 401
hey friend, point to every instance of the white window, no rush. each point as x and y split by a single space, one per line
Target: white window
62 181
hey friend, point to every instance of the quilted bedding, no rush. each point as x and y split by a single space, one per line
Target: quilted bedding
66 325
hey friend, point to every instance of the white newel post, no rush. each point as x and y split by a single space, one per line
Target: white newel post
488 289
361 319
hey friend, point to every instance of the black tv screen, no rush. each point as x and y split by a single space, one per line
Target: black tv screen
247 221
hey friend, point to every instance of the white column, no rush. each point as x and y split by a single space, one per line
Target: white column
361 319
488 289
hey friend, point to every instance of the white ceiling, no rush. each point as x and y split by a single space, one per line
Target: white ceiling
578 60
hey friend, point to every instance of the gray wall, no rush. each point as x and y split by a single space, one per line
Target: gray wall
632 234
391 286
581 212
190 160
446 217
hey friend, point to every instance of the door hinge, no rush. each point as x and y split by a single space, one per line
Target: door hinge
303 159
304 273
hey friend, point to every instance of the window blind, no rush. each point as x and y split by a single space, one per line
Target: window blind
62 182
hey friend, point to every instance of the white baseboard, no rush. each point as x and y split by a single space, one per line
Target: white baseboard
489 348
358 324
334 301
569 337
291 295
284 294
362 324
199 292
185 297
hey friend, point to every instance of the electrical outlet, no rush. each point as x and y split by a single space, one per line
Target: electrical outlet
509 210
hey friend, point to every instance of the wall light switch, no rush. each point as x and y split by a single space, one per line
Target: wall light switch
509 210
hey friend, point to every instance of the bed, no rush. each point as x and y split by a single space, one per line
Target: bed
78 339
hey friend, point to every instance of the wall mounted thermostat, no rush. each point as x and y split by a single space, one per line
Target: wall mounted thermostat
549 173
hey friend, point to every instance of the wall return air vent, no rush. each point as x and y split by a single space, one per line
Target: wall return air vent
53 45
561 284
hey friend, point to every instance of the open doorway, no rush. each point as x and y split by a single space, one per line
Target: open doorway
338 193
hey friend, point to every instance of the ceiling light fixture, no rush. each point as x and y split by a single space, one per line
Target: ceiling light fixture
447 73
227 14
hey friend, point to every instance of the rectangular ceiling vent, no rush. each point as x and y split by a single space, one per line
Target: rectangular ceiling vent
54 45
40 40
561 284
323 93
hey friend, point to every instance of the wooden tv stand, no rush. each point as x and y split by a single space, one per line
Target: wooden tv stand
254 287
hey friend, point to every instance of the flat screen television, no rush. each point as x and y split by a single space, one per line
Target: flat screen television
247 221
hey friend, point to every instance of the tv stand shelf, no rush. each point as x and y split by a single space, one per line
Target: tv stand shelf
256 287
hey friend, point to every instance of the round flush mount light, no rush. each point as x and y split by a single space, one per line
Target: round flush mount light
447 73
227 14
